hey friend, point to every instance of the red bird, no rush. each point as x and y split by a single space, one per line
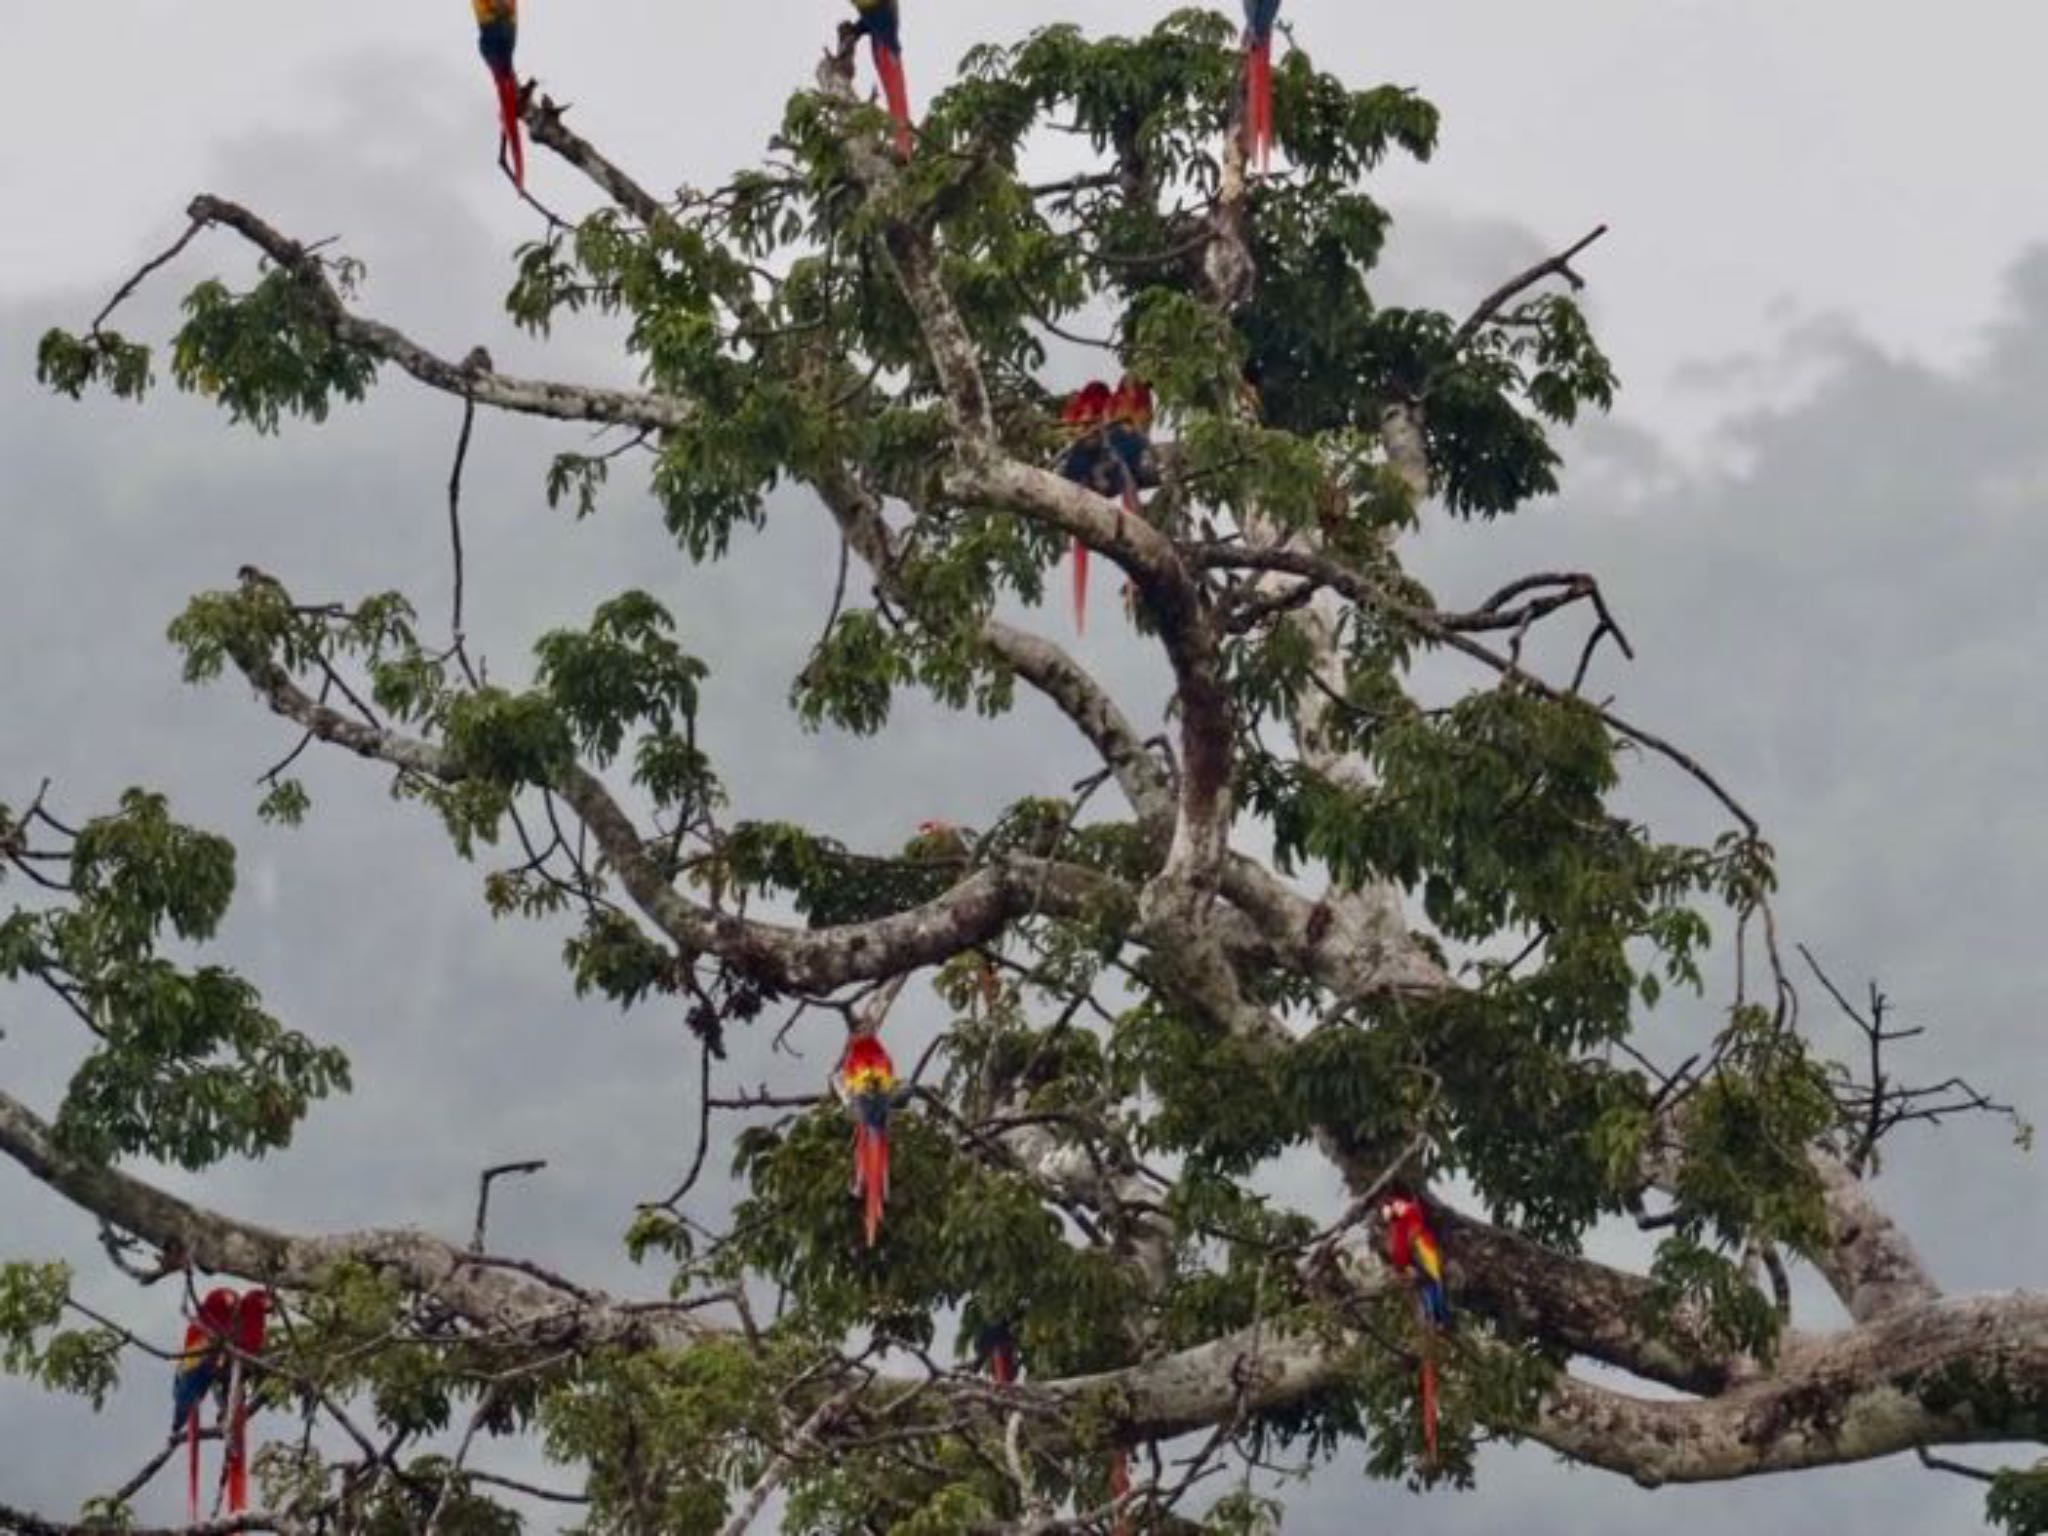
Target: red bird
867 1084
1085 462
250 1325
202 1370
1413 1251
995 1346
882 26
1259 17
497 33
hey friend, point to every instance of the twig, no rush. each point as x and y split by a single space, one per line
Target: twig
1558 265
127 289
483 1194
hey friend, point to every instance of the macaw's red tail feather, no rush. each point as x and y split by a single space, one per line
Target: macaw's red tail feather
1259 99
889 65
1080 588
1429 1410
508 124
192 1475
238 1457
1120 1486
871 1157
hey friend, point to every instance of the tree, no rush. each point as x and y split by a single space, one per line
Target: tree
1146 1015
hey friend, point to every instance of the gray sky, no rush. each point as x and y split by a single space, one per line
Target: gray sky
1818 511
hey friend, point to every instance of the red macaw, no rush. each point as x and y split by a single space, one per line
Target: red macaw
497 32
1413 1251
1259 16
250 1325
995 1346
1084 462
1130 436
882 25
868 1086
1130 448
202 1368
201 1371
1120 1486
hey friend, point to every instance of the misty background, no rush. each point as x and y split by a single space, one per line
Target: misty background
1817 509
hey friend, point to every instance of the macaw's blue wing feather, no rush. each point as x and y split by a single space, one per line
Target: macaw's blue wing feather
188 1388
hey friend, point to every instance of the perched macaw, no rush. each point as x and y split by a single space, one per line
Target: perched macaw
882 25
995 1347
1130 436
1259 16
867 1084
1413 1251
497 33
202 1369
247 1334
1085 461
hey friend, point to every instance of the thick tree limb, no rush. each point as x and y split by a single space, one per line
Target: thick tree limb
787 959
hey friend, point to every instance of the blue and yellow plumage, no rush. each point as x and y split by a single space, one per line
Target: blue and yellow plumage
1412 1250
868 1085
202 1371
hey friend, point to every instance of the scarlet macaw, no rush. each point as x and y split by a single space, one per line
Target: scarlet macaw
497 32
867 1084
1130 437
1259 16
1413 1251
881 24
1130 448
995 1346
1085 462
202 1368
250 1325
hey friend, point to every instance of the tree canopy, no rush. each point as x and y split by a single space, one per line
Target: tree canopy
1360 894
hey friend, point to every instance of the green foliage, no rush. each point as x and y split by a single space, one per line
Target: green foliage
2018 1500
770 312
270 352
69 364
655 1432
400 1506
1738 1316
83 1362
186 1065
1745 1171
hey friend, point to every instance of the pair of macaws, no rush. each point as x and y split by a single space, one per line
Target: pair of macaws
223 1338
1110 453
1413 1251
881 23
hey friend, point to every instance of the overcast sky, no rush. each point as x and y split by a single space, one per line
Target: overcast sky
1819 511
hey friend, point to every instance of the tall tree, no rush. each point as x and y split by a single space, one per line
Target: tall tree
1433 982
